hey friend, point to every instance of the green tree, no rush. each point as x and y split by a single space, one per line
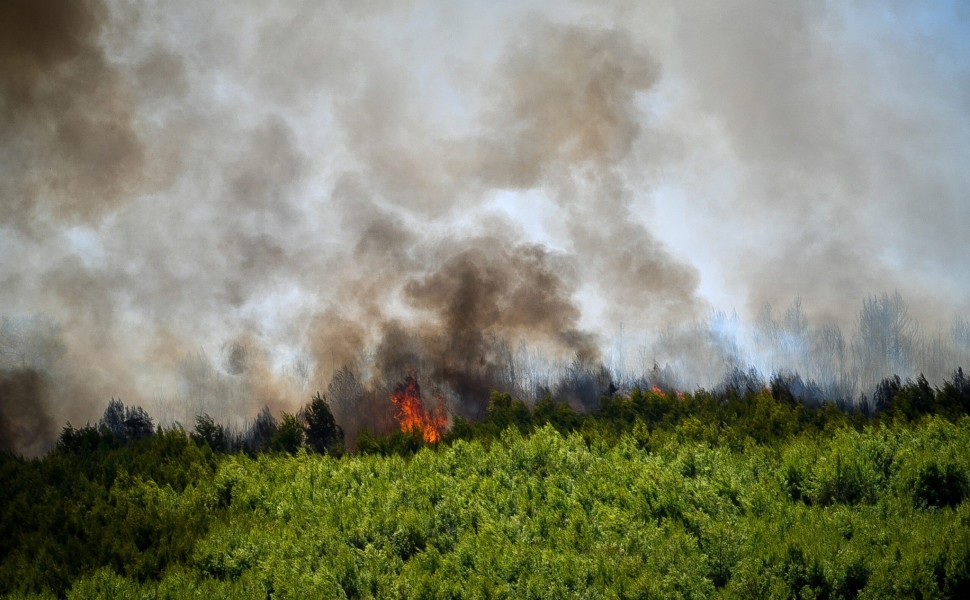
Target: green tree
289 436
321 429
259 436
210 433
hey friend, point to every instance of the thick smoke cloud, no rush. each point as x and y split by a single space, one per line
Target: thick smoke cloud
29 349
215 207
24 421
565 118
834 135
76 152
485 294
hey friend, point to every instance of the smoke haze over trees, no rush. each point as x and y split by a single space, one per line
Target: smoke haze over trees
211 208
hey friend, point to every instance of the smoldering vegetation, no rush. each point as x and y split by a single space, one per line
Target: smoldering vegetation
212 209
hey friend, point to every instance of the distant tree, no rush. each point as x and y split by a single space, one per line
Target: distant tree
954 396
138 424
582 385
740 382
289 436
321 429
782 385
83 440
210 433
503 411
259 436
791 389
461 429
112 423
125 424
913 399
886 342
830 364
560 415
885 392
397 442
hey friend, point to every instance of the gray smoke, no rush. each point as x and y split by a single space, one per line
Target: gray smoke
223 206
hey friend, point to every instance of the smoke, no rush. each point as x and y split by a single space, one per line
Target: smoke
485 294
833 137
220 207
73 150
29 349
25 425
565 118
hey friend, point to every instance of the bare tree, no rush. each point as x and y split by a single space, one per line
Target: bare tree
885 341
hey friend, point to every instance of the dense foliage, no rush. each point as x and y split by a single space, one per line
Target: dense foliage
745 493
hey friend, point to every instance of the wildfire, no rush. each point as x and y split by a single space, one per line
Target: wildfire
656 390
412 414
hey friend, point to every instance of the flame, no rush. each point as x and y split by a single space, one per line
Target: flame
656 390
412 414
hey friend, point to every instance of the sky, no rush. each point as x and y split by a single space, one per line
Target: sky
251 196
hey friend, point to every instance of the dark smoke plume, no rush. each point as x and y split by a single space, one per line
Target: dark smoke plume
25 425
478 300
77 152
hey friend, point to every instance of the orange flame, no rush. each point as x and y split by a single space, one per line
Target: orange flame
412 414
656 390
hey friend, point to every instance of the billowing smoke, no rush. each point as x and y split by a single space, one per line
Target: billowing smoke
25 425
29 349
215 207
71 149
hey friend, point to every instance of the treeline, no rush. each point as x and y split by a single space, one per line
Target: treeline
312 427
743 405
132 504
837 364
743 408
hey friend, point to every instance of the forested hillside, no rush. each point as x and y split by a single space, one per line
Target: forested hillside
743 494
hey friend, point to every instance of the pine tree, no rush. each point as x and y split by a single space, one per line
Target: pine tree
322 432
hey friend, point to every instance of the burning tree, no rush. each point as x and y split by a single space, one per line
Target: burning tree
411 413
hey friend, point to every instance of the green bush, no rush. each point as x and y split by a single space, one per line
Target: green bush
681 507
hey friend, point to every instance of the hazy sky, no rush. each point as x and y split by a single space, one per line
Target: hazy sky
293 176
